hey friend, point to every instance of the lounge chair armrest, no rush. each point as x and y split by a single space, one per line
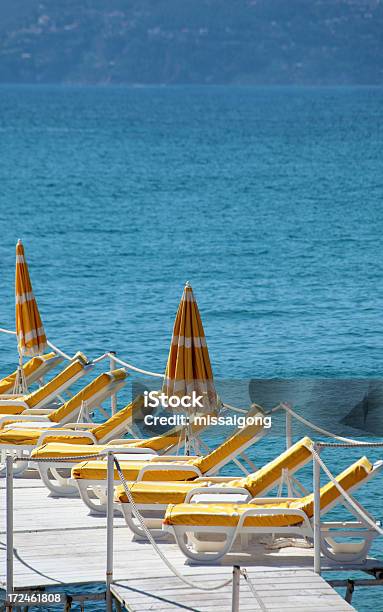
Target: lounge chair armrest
274 512
119 450
326 525
13 418
37 411
13 403
226 491
11 396
123 441
216 479
169 458
152 467
271 500
79 425
65 432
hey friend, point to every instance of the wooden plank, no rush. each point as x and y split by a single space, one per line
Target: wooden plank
57 542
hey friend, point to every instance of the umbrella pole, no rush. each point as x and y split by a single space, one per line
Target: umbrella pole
187 441
20 386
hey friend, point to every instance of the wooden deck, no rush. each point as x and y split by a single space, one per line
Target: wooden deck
57 543
298 590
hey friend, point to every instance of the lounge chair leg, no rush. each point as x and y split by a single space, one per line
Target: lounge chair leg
137 530
58 486
347 557
94 506
204 557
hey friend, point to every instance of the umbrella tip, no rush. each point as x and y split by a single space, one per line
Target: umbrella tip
19 241
187 284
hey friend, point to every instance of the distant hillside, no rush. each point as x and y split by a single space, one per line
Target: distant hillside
192 41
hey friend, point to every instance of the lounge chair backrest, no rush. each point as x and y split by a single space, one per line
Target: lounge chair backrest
94 393
118 424
352 476
59 383
34 369
233 446
269 475
162 442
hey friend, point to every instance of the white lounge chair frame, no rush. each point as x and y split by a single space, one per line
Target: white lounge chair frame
36 411
208 494
93 492
214 551
38 375
22 451
54 473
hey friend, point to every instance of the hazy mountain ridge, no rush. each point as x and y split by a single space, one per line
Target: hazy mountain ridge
192 41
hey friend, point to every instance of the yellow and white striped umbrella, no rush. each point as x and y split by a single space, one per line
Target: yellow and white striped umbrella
31 339
188 368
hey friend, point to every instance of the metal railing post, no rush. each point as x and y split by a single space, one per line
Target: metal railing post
9 523
289 430
235 592
109 532
317 526
113 398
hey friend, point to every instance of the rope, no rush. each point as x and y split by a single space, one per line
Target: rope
252 589
358 509
348 445
104 356
78 458
56 350
234 408
59 351
132 367
169 565
297 416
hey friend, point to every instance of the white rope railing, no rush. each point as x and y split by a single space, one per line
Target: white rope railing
325 432
127 365
252 590
234 408
100 358
134 368
7 331
152 541
53 346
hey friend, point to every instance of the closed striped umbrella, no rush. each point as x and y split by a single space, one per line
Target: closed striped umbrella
31 339
188 368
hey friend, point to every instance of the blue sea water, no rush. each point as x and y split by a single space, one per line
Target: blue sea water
269 201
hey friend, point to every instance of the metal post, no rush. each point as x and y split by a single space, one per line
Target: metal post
317 529
235 593
9 525
109 532
113 399
289 431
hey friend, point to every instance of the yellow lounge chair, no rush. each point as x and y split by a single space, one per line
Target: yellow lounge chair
40 398
20 438
90 476
54 472
192 524
152 499
34 369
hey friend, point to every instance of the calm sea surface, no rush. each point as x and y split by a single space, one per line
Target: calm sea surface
269 201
